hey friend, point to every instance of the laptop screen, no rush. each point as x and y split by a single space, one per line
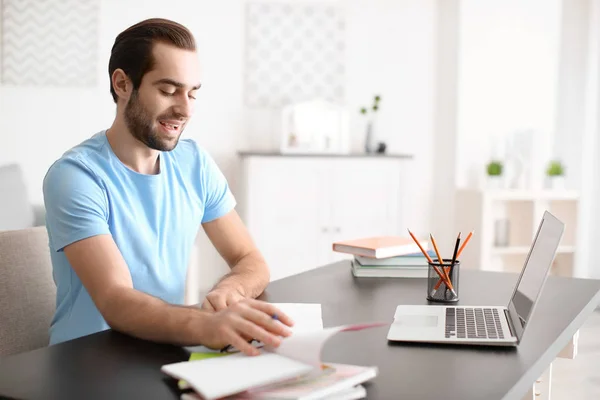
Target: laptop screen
535 270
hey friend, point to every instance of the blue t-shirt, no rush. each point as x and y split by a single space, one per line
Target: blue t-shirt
153 219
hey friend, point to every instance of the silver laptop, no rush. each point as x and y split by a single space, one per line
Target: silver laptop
485 325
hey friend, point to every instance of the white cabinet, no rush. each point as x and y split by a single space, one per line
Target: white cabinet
295 207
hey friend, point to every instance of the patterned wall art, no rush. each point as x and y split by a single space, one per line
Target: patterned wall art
294 52
49 43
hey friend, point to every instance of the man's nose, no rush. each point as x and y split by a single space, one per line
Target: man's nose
184 108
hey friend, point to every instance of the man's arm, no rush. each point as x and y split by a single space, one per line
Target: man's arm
249 274
104 273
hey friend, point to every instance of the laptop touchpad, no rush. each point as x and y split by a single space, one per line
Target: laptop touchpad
417 321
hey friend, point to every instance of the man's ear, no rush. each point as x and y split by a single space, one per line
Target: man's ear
121 84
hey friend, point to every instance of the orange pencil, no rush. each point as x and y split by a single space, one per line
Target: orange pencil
441 261
464 244
420 247
462 247
441 275
439 256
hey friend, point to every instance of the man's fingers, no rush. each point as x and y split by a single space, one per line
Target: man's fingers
272 311
218 302
237 341
247 328
266 321
233 298
247 338
207 306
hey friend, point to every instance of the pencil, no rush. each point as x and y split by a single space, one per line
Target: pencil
439 256
441 274
441 261
454 256
420 247
462 247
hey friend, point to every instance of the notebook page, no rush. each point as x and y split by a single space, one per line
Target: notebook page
306 347
306 316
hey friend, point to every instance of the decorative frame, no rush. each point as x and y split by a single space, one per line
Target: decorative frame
314 126
49 43
294 52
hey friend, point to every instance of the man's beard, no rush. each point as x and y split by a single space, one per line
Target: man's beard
140 124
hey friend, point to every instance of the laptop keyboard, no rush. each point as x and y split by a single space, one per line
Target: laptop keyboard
473 323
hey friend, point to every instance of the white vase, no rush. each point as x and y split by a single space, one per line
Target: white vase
369 137
556 182
495 182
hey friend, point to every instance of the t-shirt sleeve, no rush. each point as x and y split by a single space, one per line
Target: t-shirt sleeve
75 202
218 199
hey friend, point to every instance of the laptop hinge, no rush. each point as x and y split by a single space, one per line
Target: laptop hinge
509 321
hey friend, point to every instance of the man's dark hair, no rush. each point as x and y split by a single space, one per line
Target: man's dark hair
132 50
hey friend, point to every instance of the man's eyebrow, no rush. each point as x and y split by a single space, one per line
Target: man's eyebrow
174 83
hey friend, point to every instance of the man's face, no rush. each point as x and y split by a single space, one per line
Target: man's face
157 113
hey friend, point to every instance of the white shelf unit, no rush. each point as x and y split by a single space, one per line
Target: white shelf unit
480 209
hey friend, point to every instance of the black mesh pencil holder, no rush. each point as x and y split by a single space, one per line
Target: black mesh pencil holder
440 289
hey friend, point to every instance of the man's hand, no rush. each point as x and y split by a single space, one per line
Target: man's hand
221 298
248 318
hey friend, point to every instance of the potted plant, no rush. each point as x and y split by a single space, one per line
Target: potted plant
494 173
555 175
369 135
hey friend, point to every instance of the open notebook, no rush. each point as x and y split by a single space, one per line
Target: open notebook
296 360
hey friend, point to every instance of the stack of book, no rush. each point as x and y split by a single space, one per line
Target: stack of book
386 256
292 371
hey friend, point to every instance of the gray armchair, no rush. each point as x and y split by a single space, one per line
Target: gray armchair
27 292
16 210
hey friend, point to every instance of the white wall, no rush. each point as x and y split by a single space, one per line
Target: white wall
508 69
572 83
445 131
390 51
452 75
588 259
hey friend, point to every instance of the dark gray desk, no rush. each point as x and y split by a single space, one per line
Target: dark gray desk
114 366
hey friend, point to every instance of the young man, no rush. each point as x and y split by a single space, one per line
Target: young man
124 208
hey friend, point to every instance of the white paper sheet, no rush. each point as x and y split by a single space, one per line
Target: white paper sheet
306 346
306 316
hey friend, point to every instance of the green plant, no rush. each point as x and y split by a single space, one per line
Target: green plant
555 168
494 168
374 107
